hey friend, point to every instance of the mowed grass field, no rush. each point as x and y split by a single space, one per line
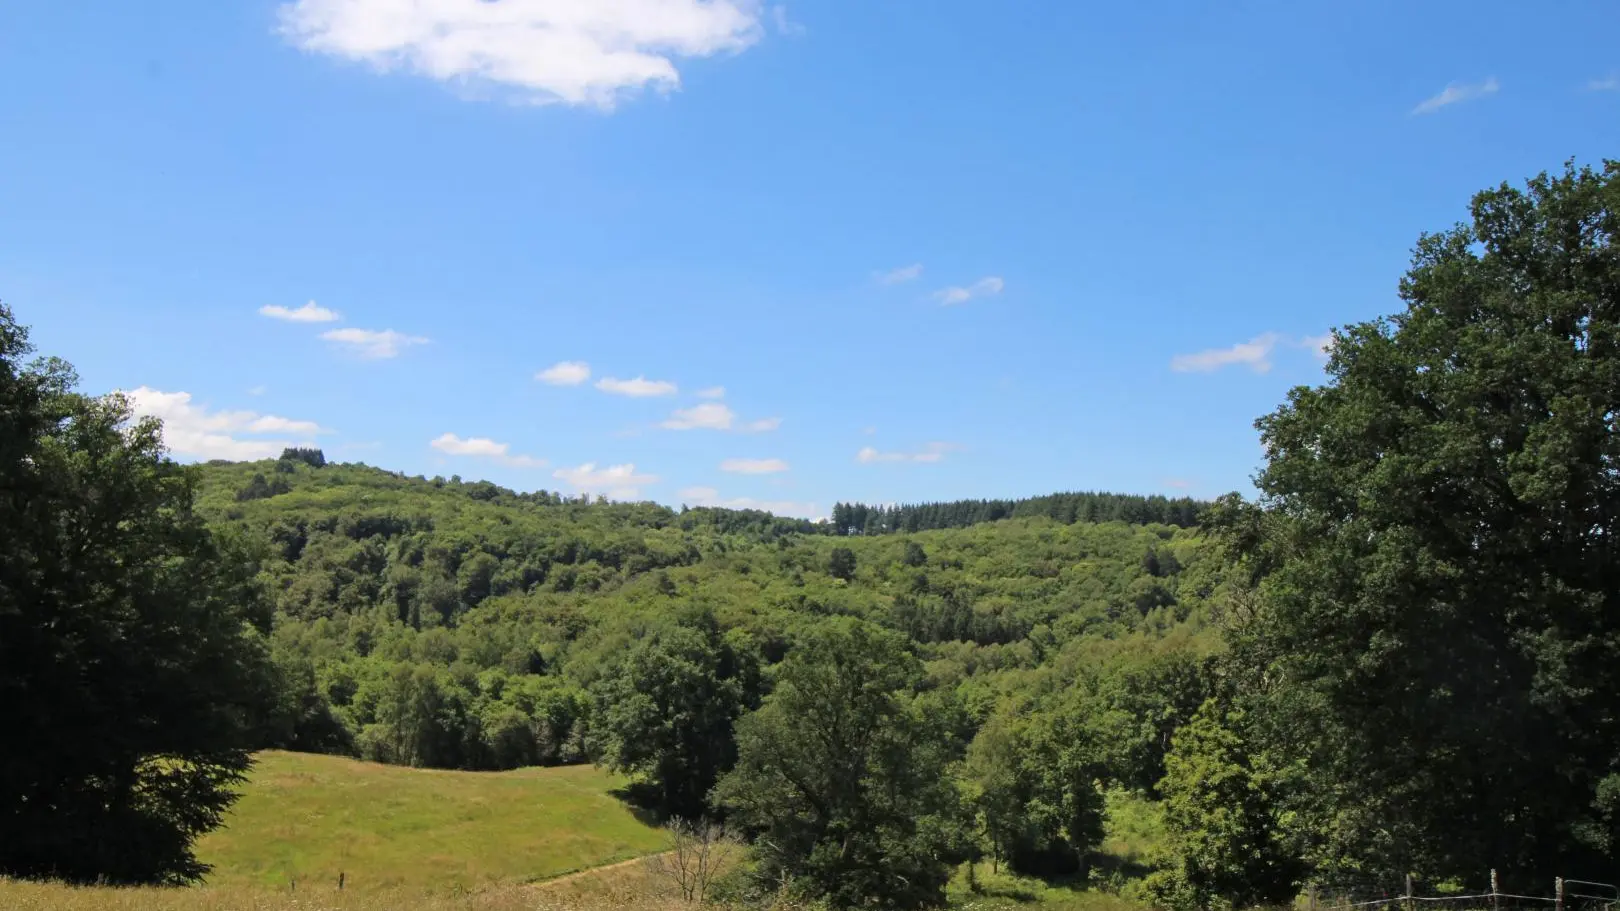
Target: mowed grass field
307 819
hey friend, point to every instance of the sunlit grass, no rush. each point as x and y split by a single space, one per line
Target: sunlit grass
303 820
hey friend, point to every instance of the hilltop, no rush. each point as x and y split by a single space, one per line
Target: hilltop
496 607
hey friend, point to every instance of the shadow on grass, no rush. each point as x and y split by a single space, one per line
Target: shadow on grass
641 799
1111 866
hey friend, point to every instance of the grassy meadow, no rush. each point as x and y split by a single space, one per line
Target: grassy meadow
306 819
542 839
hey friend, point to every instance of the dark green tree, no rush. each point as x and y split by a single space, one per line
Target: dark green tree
841 564
133 675
312 457
845 778
1035 790
915 555
1437 554
665 710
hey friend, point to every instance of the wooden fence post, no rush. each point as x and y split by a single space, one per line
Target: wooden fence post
1558 887
1495 901
340 880
1411 905
1313 897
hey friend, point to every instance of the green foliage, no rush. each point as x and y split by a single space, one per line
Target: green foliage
841 564
314 458
1035 789
1223 821
1435 618
665 709
845 778
132 668
1065 508
915 555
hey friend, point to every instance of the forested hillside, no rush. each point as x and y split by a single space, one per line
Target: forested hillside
462 625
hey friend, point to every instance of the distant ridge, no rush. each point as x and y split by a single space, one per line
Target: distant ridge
1068 508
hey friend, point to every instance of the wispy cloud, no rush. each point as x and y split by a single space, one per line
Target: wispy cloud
578 52
639 388
484 448
1457 92
617 482
565 373
198 431
933 452
707 416
1254 354
784 25
716 416
1609 83
373 344
753 466
713 392
708 496
309 313
989 286
901 275
1318 344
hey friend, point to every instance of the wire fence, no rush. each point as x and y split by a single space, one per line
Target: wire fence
1566 895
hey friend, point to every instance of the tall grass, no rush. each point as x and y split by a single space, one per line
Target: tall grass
304 820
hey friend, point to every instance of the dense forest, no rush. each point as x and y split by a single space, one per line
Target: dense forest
462 625
1401 659
1067 508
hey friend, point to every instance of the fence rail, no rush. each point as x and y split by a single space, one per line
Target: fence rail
1568 895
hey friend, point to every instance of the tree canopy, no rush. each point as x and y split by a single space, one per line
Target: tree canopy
133 676
1434 640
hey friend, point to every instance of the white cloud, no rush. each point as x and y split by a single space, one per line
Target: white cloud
933 452
708 496
1318 344
901 275
1609 83
260 389
372 344
1458 92
565 373
198 431
579 52
309 313
707 416
763 425
989 286
713 392
1254 353
486 448
618 482
269 423
753 466
640 387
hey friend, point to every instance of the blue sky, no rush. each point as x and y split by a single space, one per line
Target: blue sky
887 250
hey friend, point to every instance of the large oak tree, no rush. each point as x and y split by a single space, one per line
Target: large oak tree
132 672
1434 650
